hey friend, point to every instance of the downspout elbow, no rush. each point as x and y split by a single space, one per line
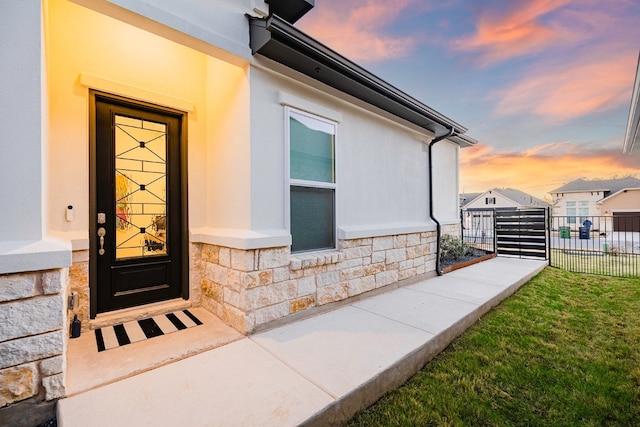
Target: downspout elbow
438 226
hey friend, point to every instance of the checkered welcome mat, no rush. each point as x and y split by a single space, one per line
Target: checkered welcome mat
138 330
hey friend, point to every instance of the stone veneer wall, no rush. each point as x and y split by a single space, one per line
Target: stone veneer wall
32 336
249 288
79 282
451 229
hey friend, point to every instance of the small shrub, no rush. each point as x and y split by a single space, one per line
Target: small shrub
452 247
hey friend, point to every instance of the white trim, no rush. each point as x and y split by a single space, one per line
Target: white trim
304 183
380 230
135 92
286 99
240 239
34 255
312 184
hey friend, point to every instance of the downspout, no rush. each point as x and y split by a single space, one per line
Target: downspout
438 226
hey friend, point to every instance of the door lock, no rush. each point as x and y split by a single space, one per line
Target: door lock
102 218
101 233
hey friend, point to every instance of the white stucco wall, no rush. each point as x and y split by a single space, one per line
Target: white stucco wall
381 166
228 179
85 43
24 241
445 182
213 92
23 99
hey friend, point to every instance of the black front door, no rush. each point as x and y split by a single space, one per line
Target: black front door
138 214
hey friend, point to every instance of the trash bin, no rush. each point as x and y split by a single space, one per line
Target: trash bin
584 233
565 232
605 248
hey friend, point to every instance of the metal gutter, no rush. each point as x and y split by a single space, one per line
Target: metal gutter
278 40
632 133
438 226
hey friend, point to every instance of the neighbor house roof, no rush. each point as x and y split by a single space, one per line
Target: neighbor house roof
632 134
466 198
606 185
278 40
520 197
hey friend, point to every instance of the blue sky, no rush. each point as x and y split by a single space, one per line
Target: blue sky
544 85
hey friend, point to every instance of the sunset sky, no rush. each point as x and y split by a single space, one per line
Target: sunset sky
544 85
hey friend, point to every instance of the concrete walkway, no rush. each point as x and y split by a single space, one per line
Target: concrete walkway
317 371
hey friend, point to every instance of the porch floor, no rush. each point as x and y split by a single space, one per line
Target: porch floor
87 368
316 371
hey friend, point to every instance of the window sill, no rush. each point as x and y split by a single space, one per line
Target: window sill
315 259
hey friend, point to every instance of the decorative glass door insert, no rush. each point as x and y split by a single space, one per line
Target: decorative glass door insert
141 188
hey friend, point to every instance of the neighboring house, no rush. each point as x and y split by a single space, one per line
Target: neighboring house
181 152
632 134
610 198
476 213
504 198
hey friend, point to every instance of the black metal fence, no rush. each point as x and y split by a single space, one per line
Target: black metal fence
478 229
604 245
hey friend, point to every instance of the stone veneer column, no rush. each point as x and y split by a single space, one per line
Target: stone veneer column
32 336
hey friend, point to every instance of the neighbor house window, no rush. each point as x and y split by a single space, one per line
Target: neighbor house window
583 211
490 201
571 212
312 181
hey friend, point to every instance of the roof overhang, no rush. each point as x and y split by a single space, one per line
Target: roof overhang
278 40
632 135
290 10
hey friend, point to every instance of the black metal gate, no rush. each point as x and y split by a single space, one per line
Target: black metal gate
522 233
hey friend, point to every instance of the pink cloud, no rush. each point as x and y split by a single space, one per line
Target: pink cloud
502 35
540 169
354 29
572 89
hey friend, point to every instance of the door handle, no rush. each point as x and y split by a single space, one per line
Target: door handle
101 232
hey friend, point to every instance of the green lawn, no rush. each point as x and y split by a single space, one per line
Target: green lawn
563 351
